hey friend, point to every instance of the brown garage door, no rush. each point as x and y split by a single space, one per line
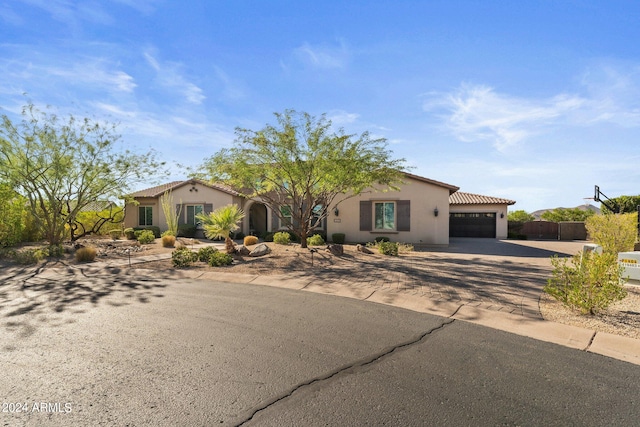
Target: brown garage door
472 224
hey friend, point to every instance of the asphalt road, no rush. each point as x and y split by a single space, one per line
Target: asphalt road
103 349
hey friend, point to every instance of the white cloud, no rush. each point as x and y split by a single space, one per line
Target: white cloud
480 113
323 56
340 117
169 75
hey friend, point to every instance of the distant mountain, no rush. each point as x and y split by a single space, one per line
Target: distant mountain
538 214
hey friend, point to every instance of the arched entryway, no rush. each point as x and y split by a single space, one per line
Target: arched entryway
257 219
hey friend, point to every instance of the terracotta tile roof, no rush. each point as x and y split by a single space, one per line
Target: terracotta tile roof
461 198
159 190
451 188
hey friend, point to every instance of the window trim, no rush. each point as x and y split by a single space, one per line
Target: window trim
186 213
374 220
282 224
142 219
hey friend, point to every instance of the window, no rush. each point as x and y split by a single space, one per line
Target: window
285 216
384 215
192 211
315 217
145 215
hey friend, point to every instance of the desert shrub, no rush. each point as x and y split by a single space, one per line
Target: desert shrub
615 233
86 254
183 257
589 283
315 240
338 238
282 238
218 259
268 237
30 256
115 234
388 248
129 233
168 241
250 240
187 230
405 247
168 233
205 253
145 236
239 235
381 239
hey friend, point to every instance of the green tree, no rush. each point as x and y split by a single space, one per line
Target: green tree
614 232
62 166
11 213
172 216
626 204
221 222
563 214
299 166
520 216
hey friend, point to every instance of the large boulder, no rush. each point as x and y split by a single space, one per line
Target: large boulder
260 250
335 249
242 250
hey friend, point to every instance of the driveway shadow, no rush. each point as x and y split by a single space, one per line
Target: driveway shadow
511 248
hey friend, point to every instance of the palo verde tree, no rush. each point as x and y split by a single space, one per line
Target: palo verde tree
61 166
567 214
300 166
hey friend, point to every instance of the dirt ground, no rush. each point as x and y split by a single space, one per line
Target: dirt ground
622 318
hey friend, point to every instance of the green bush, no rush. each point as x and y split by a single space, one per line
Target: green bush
153 228
130 233
239 235
86 254
183 257
338 238
282 238
115 234
250 240
168 233
590 283
268 237
187 230
315 240
381 239
615 233
145 236
205 253
405 247
219 259
388 248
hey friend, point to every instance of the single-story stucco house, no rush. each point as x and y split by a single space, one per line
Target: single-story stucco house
417 213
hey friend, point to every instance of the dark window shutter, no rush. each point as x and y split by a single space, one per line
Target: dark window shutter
404 215
208 208
275 222
180 209
365 215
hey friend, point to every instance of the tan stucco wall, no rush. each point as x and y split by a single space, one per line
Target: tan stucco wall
181 195
425 227
501 223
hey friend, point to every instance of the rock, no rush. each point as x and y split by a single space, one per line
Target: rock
335 249
363 249
260 250
242 250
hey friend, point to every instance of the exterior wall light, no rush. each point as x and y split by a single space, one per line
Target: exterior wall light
501 215
336 212
435 212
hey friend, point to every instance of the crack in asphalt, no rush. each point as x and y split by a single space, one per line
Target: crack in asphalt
358 364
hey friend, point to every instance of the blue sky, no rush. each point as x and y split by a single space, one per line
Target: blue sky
536 101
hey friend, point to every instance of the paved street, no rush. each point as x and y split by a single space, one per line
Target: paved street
125 347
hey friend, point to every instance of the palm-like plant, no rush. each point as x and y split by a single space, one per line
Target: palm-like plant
221 222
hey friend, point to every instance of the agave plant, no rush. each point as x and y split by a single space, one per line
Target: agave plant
221 222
